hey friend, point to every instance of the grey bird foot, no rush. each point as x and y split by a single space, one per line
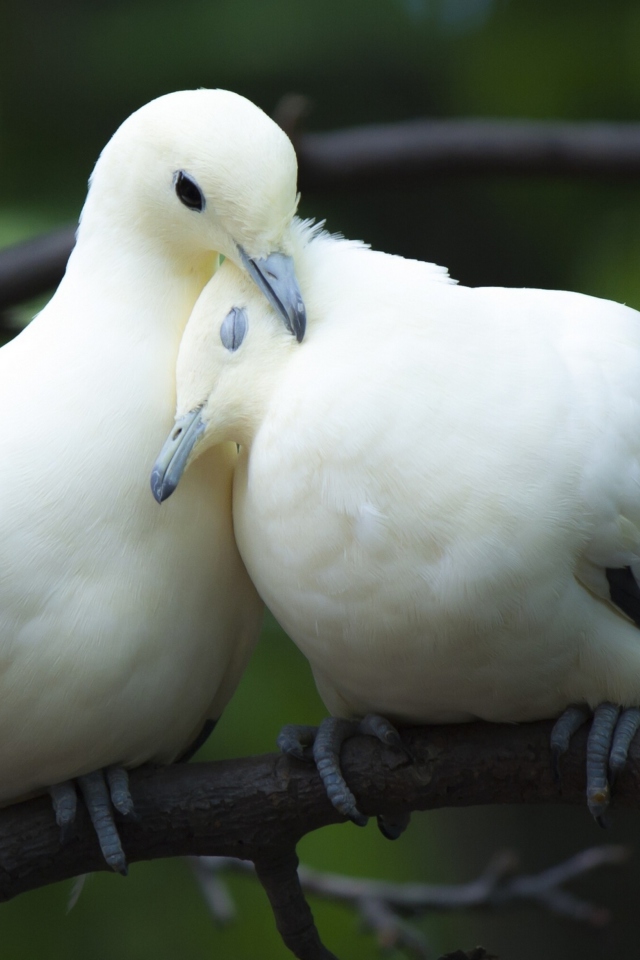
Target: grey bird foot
103 791
322 746
612 731
296 740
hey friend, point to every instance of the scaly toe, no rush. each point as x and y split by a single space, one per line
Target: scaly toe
331 734
564 728
384 731
598 750
96 796
118 783
626 728
64 801
297 740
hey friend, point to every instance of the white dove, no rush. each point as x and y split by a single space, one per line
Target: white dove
438 493
124 629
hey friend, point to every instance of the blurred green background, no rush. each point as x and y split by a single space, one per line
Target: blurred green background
70 72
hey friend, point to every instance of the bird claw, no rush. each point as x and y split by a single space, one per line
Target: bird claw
624 733
564 728
323 744
102 791
384 731
118 783
393 825
296 740
612 731
327 744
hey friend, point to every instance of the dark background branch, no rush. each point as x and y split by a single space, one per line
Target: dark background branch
395 155
257 807
387 908
34 266
400 153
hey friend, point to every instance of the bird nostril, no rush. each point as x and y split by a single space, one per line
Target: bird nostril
176 433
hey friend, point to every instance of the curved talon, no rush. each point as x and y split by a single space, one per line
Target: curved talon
626 728
384 731
64 801
327 743
323 744
390 826
297 740
96 796
331 734
610 736
393 825
598 749
564 728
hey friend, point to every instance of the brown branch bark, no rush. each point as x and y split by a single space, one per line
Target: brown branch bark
279 878
257 808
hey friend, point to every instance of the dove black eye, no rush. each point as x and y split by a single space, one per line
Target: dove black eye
233 329
188 191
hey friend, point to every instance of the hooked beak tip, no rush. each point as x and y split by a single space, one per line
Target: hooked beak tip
275 276
172 459
160 490
298 321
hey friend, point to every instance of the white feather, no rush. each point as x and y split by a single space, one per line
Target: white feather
432 483
124 625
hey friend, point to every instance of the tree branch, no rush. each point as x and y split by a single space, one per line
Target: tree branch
33 267
395 154
257 807
279 878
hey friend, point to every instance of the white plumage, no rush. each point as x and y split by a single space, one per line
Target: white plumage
124 627
432 485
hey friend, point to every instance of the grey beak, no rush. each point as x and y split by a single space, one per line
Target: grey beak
169 467
276 277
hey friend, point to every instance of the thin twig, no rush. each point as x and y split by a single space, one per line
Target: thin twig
382 905
214 890
390 929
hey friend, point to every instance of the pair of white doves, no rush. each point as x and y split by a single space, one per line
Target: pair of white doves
437 489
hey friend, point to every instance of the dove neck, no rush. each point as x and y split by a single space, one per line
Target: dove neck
150 287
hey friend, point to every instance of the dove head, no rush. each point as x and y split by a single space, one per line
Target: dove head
200 170
198 173
231 355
